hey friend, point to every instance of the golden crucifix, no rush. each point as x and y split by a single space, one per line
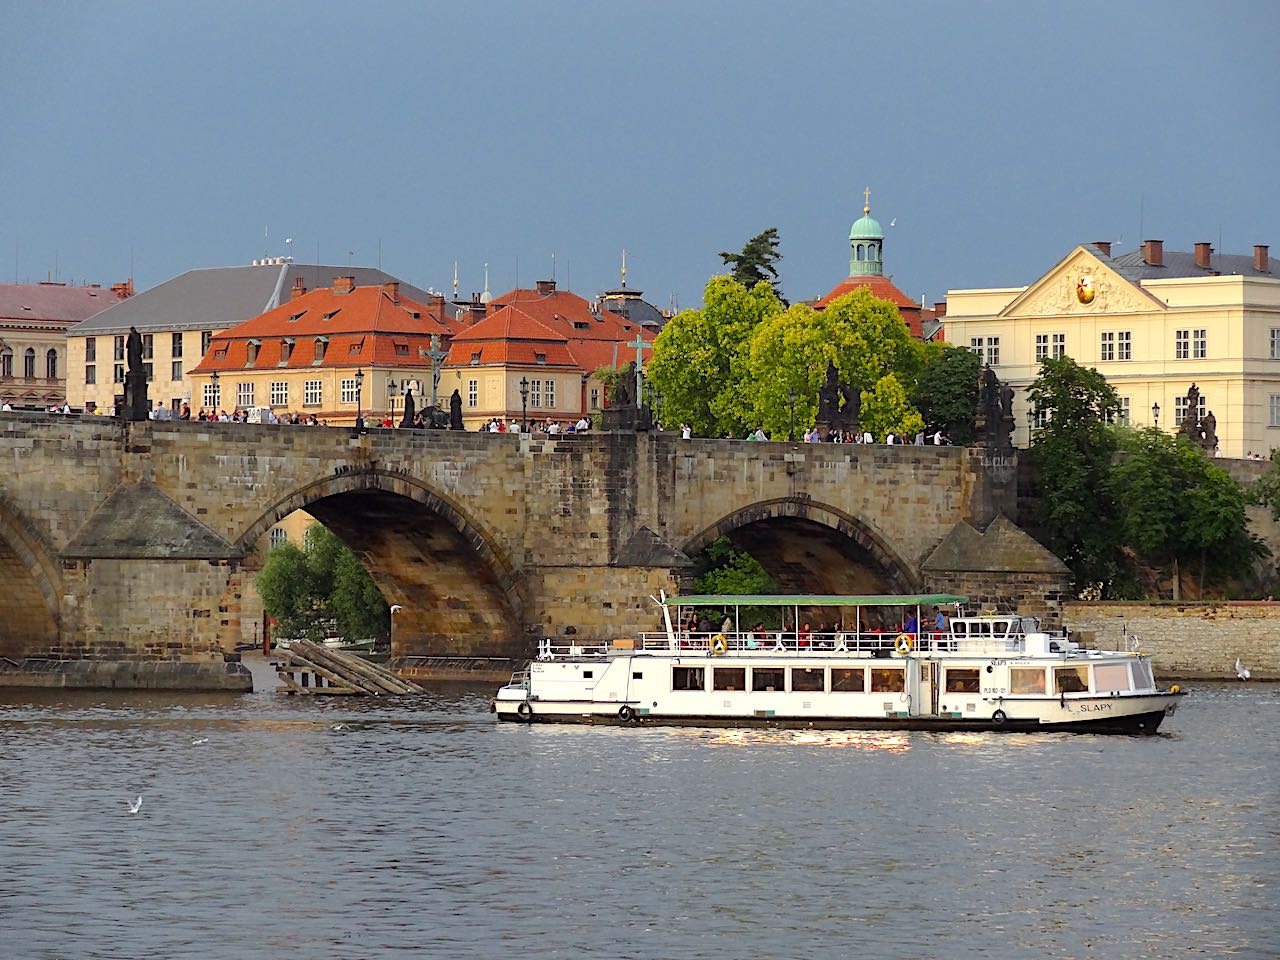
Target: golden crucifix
866 196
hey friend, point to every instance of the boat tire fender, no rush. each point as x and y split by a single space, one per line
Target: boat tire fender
902 643
626 714
999 717
718 645
525 711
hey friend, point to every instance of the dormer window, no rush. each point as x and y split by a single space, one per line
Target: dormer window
402 348
475 358
331 314
251 352
286 350
220 353
297 316
581 325
356 347
540 358
322 347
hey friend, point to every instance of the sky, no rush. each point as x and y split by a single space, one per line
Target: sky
146 139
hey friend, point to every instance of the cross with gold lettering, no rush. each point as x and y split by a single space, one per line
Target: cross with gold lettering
641 345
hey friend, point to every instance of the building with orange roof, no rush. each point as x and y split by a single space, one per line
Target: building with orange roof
331 353
551 341
866 272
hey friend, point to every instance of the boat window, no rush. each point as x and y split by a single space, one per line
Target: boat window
887 681
588 674
1109 677
962 680
848 680
809 679
1026 679
1070 679
637 675
767 679
729 678
960 627
1142 679
688 678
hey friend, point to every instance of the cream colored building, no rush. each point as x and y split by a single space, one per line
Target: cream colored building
1152 322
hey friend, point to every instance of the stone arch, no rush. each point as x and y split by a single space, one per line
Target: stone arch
30 606
864 538
457 588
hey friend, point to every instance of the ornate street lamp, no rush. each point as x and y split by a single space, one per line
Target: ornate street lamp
217 392
524 404
1155 415
359 390
791 419
391 398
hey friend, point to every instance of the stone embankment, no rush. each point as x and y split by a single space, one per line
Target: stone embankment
1188 641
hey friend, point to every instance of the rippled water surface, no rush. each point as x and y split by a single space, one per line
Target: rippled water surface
427 829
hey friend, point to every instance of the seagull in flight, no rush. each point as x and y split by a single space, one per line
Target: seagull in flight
338 726
893 222
199 740
396 608
1242 671
136 805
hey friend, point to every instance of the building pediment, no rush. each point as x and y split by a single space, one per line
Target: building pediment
1079 285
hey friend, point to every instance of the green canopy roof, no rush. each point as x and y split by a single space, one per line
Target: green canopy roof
815 600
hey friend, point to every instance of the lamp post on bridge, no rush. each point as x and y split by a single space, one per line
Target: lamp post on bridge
1155 415
392 386
359 391
217 394
524 404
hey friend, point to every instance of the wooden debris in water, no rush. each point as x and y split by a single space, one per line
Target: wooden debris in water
310 668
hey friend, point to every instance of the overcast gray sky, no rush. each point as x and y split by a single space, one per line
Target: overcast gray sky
997 134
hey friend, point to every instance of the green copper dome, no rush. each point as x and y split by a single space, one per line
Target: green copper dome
866 244
866 227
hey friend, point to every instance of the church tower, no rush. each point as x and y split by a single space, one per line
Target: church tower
866 243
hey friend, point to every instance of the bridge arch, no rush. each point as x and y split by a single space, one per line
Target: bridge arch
797 540
30 608
457 589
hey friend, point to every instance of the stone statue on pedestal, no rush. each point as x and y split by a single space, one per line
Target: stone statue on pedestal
838 404
622 412
455 411
135 379
1209 433
996 412
1190 427
410 410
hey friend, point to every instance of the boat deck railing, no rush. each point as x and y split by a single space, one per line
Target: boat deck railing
868 644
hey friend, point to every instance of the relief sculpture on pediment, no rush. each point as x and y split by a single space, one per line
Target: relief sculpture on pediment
1083 287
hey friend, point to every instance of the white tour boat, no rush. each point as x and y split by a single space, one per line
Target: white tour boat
979 672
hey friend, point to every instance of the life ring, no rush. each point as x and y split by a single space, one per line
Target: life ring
718 645
902 643
626 714
999 717
525 711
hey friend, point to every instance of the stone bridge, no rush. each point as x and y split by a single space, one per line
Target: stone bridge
128 545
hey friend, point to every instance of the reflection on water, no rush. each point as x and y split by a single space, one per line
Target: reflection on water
368 829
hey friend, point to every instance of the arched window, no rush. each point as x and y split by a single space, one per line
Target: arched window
6 362
29 364
51 364
860 251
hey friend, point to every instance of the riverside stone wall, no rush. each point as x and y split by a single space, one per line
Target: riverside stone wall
1187 640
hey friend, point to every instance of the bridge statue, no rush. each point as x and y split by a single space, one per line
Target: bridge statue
135 380
623 411
839 404
410 410
455 411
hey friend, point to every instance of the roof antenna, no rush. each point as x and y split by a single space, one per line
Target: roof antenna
455 280
624 266
553 266
486 296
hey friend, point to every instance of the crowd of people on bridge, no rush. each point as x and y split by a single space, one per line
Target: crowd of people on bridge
816 435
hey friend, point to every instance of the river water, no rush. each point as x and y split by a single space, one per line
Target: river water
305 828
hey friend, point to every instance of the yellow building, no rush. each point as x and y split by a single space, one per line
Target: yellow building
1152 322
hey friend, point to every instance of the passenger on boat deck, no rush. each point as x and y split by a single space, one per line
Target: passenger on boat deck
727 626
803 636
913 626
939 621
704 625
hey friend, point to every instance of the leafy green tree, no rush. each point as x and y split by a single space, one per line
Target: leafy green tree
722 569
758 261
885 410
789 356
1072 455
870 340
701 359
286 584
946 393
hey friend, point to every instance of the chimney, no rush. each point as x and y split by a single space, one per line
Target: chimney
1153 252
478 310
344 284
1204 255
546 287
123 290
1260 258
1103 247
299 288
939 309
392 290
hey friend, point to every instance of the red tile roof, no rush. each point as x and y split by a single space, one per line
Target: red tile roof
882 288
365 326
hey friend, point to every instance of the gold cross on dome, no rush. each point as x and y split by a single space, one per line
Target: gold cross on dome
866 196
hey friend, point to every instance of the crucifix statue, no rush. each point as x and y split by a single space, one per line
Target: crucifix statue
436 353
641 345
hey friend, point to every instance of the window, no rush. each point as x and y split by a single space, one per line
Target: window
848 680
535 393
6 362
176 372
148 346
987 349
175 346
29 364
1181 344
1059 345
808 679
286 350
637 675
322 347
888 681
1042 346
1124 345
688 678
118 348
279 393
729 678
251 352
1107 351
473 393
244 394
595 398
961 680
1199 344
212 395
1123 415
1111 677
588 674
1026 680
51 364
91 348
551 393
768 679
205 338
146 369
278 536
312 393
1070 679
118 374
1041 419
347 391
1180 410
90 374
1274 421
1275 343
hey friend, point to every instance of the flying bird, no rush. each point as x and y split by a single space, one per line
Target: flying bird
338 726
1242 671
893 222
136 805
396 608
199 740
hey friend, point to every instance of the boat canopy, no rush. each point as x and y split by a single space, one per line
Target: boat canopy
814 600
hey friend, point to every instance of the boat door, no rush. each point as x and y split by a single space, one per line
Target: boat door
922 685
